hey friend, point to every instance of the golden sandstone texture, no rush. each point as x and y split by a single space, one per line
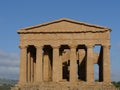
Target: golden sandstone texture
59 55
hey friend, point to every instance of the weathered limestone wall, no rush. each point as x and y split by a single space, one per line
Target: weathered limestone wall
59 56
61 39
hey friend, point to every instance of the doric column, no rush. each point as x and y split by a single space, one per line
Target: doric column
46 66
73 64
55 64
23 64
89 64
32 69
39 67
29 67
106 63
60 68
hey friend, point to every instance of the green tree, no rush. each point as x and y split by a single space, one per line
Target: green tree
116 84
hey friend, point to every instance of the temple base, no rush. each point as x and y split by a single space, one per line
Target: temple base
65 86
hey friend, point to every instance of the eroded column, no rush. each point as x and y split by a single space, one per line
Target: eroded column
46 66
32 69
55 63
60 68
73 64
39 67
89 64
29 67
23 64
106 63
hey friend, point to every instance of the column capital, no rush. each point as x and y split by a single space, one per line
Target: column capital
89 46
56 46
73 46
106 46
22 47
39 46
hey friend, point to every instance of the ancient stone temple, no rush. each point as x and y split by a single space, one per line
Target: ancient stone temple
60 55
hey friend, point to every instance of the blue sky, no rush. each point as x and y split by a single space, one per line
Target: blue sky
23 13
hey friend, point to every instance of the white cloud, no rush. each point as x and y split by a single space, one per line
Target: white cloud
9 65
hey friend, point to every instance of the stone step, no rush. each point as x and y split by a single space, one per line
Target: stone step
66 86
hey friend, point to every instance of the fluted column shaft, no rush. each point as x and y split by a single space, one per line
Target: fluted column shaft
23 64
32 69
39 67
60 68
73 64
29 67
46 67
89 64
106 63
55 63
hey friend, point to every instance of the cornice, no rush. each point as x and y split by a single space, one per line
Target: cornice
32 32
26 30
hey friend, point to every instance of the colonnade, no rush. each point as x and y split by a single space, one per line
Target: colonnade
56 70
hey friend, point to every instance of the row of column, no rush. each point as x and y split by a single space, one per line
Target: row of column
57 64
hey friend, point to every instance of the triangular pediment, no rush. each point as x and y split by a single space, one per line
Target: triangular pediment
64 25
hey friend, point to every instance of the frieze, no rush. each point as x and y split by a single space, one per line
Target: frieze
62 42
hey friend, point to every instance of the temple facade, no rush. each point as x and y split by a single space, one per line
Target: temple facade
62 52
